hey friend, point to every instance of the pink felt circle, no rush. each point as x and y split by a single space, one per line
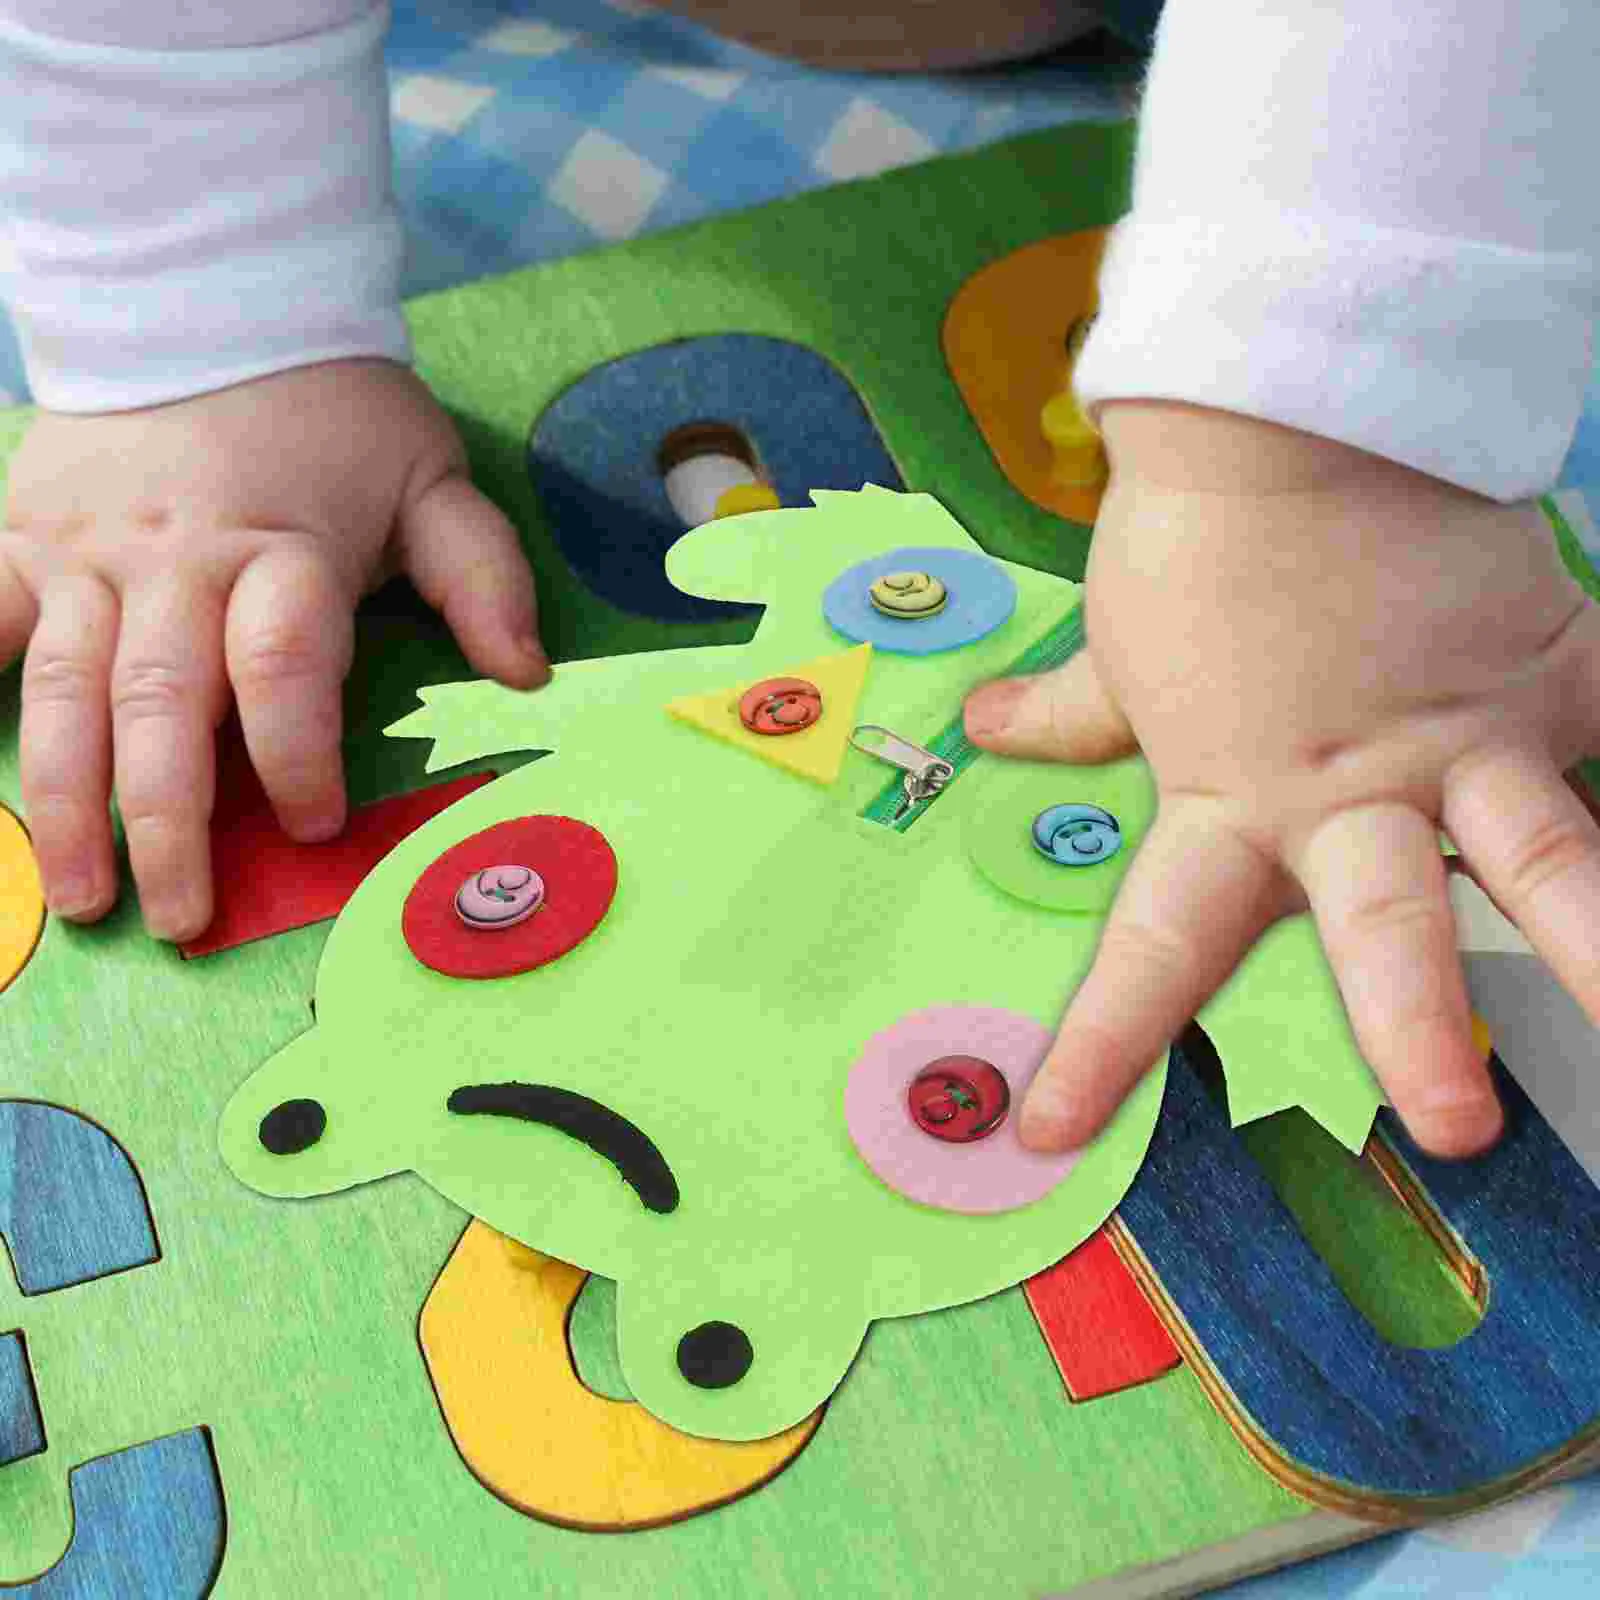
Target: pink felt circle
992 1174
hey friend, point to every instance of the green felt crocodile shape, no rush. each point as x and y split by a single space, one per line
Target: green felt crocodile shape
761 933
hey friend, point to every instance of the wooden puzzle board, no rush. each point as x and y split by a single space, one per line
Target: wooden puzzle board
951 1462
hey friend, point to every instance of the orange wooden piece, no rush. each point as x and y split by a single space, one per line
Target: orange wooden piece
494 1336
1099 1327
1005 339
267 884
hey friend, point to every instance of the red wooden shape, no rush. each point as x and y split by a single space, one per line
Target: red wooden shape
1097 1323
267 884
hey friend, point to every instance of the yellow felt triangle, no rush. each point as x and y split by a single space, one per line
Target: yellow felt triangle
817 752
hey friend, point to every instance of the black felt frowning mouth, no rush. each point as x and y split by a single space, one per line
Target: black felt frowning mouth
643 1167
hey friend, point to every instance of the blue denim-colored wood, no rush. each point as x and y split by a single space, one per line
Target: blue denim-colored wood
72 1207
21 1428
1312 1375
593 454
148 1523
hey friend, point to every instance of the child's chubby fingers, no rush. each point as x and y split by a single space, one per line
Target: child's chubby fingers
1536 851
19 606
1378 887
1066 715
1195 899
289 637
65 740
468 564
167 694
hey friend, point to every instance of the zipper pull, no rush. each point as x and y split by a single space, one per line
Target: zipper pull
925 773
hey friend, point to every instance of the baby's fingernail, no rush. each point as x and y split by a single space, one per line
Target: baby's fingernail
1045 1124
529 645
318 830
1459 1130
73 897
989 710
177 921
533 653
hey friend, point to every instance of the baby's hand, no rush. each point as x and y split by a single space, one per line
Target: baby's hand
1327 659
159 563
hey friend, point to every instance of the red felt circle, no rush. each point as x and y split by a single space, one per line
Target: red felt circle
580 877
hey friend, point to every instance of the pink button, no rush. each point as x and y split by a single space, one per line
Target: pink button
499 897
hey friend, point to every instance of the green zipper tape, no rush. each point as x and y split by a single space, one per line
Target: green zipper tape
1050 650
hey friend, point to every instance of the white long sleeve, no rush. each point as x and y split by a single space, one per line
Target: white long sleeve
1374 221
191 196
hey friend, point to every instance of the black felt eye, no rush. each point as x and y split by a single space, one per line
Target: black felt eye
716 1355
294 1126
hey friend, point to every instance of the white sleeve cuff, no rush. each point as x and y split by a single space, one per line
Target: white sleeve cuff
178 221
1463 360
1382 228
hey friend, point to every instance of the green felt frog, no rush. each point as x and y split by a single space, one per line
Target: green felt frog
701 1082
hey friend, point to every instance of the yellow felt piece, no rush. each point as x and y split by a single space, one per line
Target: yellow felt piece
818 751
494 1336
21 898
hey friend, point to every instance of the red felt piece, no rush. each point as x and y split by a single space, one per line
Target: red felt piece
1097 1323
580 878
268 884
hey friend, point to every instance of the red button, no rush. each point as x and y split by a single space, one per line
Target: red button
959 1099
780 705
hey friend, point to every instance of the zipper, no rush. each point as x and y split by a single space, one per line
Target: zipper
926 772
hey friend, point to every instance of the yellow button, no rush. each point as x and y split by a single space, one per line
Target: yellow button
909 595
1482 1041
1080 458
743 497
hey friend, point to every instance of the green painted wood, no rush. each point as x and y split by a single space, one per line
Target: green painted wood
592 1337
290 1329
1378 1253
1571 548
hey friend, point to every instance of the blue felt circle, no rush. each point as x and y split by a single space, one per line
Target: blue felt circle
982 596
1076 835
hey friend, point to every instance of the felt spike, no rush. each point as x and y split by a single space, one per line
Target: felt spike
818 752
466 722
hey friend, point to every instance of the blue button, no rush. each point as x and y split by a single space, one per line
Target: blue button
1077 835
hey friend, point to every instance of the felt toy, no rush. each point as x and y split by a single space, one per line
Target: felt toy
698 1066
